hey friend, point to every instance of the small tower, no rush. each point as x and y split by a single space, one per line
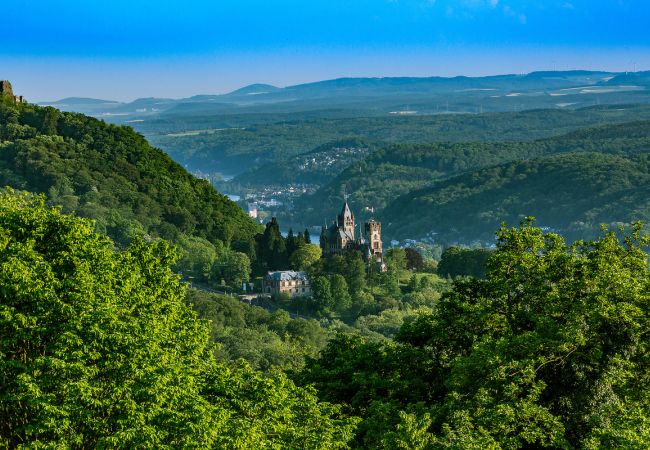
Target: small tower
5 88
346 220
373 235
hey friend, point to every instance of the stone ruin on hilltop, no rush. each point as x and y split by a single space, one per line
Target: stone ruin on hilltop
6 89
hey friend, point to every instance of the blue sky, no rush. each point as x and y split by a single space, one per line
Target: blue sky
126 49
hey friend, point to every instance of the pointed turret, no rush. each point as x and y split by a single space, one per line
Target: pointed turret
346 220
346 209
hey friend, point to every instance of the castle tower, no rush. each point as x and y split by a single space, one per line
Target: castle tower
373 235
5 88
346 220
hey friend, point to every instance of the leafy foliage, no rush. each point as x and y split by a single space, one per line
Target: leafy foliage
550 350
573 193
305 256
111 174
457 261
97 349
266 340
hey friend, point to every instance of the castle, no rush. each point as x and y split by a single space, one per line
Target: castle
7 90
339 238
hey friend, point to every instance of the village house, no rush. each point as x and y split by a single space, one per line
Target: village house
295 284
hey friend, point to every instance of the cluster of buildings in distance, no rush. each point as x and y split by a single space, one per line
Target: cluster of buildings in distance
335 239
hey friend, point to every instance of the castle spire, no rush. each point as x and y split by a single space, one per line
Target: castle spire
346 212
346 220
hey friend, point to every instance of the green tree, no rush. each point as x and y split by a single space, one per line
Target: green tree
355 272
197 256
413 283
458 261
390 283
322 292
550 350
305 256
234 268
97 350
271 248
340 294
396 259
293 242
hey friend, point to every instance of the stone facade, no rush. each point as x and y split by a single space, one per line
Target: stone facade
339 238
7 90
296 284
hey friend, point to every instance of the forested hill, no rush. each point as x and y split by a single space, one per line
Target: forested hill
111 174
572 193
232 144
318 166
397 170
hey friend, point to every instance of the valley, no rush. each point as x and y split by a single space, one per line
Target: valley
191 215
302 185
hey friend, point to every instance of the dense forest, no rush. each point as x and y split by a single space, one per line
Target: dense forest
99 350
234 148
110 337
409 170
112 175
549 351
572 193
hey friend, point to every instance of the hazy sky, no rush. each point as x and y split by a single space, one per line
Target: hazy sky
119 49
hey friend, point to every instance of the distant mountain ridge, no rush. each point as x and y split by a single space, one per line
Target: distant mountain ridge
80 101
424 95
254 89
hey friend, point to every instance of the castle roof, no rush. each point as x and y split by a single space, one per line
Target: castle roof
346 214
346 210
335 231
345 235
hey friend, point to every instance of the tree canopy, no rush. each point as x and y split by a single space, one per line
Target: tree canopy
550 350
111 174
98 349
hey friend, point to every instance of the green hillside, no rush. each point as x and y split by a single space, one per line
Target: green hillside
571 193
232 144
111 174
399 169
318 166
